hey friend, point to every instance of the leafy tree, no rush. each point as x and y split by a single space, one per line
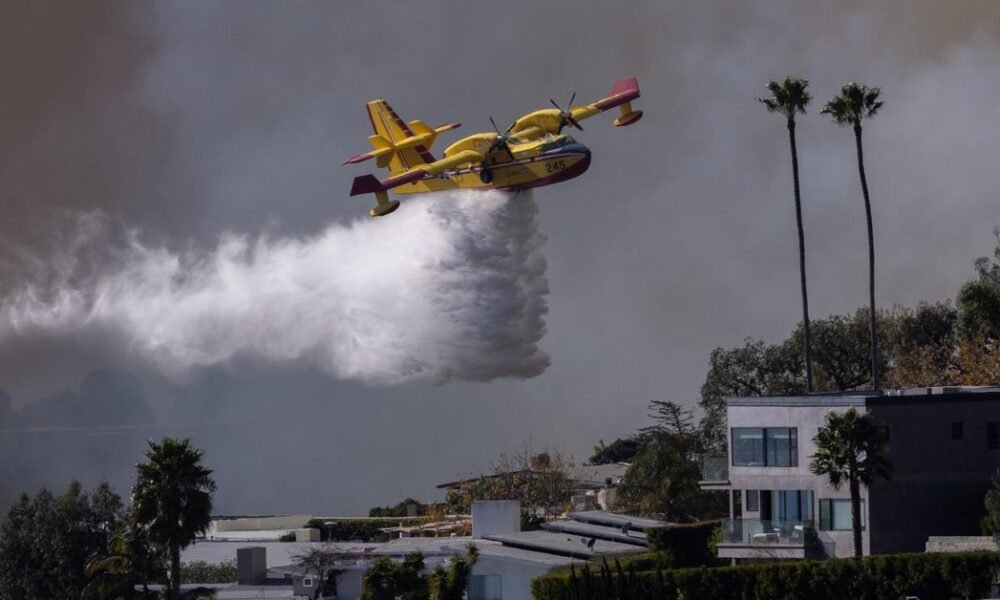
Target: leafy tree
172 499
854 104
541 486
401 509
992 502
789 98
388 580
128 561
619 451
663 476
321 562
754 369
851 448
46 541
979 298
453 583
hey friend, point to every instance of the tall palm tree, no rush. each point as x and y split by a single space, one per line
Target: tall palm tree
172 499
851 448
854 104
790 98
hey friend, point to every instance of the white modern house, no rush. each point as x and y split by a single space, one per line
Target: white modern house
944 444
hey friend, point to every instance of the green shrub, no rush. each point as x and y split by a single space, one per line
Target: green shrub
959 575
200 571
691 545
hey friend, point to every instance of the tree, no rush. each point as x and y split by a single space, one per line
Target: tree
537 481
45 541
854 104
851 448
172 499
619 451
453 583
128 561
789 98
321 562
979 298
992 502
388 580
663 476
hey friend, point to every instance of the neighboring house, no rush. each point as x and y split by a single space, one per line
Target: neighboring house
593 486
944 444
508 558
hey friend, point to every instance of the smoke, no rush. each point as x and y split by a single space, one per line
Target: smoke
450 287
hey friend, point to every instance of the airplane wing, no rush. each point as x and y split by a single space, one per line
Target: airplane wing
622 95
554 120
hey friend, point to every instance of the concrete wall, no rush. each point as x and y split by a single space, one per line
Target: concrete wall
251 565
515 576
807 420
495 516
939 484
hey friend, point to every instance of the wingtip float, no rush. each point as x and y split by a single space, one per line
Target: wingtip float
532 152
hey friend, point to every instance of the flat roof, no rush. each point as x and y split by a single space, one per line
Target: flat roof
565 544
928 395
603 517
601 532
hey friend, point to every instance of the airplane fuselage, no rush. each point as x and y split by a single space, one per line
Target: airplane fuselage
544 161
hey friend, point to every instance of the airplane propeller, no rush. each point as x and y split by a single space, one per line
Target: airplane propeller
566 115
501 141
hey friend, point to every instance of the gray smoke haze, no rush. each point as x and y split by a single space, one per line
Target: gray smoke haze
452 288
188 120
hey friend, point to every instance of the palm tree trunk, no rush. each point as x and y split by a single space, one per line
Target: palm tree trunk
802 255
856 512
175 571
871 259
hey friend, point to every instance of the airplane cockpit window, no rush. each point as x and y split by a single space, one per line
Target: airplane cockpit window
557 143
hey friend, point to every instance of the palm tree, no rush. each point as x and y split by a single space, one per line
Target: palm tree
850 447
790 98
854 104
128 561
172 499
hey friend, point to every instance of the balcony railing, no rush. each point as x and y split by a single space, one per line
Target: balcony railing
758 531
715 468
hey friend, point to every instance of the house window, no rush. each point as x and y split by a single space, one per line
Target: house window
792 505
835 514
957 431
753 500
485 587
993 435
765 447
307 582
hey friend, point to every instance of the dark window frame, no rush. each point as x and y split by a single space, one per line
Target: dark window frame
752 503
783 459
826 514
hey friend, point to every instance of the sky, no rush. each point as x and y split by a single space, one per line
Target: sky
201 140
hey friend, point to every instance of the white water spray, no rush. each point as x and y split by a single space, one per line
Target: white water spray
450 287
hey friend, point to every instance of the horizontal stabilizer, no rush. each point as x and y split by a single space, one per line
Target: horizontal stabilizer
366 184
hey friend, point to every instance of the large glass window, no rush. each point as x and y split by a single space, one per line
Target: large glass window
782 446
485 587
765 447
835 514
748 446
792 505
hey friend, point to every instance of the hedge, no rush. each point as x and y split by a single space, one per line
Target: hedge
691 545
882 577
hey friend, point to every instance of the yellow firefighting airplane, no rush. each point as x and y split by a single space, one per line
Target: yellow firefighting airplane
532 152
